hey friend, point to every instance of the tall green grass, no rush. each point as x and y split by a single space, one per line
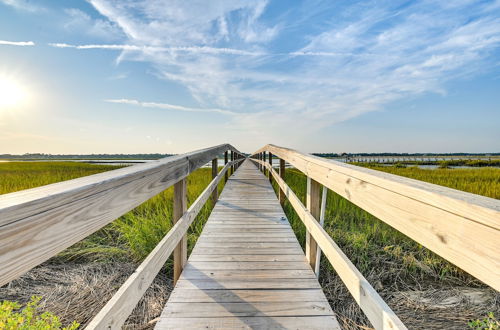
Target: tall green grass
15 176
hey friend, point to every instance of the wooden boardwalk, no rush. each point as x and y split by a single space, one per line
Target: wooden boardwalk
247 269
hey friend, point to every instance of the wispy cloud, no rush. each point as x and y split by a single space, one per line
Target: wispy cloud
168 106
22 5
17 43
364 59
80 22
192 49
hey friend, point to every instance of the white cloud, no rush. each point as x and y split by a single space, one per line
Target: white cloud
168 106
22 5
365 58
79 21
17 43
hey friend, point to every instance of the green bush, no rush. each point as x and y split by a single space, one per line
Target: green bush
488 323
12 316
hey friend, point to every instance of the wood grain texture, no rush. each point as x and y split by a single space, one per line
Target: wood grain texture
179 208
313 206
247 267
119 307
447 221
378 312
38 223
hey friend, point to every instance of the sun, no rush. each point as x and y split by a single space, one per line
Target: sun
12 93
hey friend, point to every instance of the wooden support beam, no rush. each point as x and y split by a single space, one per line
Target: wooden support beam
270 163
215 193
180 207
264 159
225 162
232 166
313 206
282 196
322 212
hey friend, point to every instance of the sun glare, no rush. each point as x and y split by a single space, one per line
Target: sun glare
12 93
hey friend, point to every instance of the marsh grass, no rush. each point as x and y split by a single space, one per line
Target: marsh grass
389 260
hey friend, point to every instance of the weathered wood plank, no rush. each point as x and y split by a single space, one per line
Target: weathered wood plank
258 283
179 208
270 322
197 310
251 296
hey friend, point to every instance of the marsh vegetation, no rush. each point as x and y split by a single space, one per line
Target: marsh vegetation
413 280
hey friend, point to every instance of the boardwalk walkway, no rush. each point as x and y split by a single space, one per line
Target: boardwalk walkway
247 269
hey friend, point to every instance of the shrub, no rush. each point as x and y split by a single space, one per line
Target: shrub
12 316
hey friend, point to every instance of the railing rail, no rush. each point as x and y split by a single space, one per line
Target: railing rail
38 223
461 227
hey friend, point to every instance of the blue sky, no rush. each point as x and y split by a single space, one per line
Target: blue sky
172 76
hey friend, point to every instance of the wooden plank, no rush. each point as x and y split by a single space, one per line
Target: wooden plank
249 257
38 223
444 220
313 205
282 175
189 310
249 251
248 273
179 208
225 162
231 284
215 168
312 322
251 296
119 307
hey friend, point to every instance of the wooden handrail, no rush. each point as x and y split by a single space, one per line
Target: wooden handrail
461 227
119 307
378 312
38 223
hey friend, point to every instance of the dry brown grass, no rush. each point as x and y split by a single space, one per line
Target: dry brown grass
78 291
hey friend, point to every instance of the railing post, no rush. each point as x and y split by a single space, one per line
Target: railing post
263 167
282 175
313 206
215 193
180 207
271 164
225 162
232 159
322 212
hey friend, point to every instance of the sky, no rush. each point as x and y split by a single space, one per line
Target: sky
171 76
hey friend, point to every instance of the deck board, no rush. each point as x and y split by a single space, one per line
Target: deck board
247 269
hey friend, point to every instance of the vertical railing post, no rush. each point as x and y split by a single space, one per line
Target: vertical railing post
215 169
232 159
313 206
271 164
322 212
264 159
225 162
282 175
180 207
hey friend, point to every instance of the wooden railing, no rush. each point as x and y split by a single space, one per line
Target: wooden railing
38 223
461 227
